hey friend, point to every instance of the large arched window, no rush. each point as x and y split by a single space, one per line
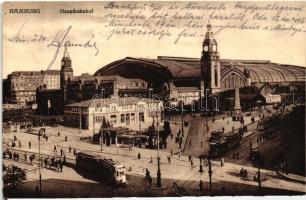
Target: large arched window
216 75
232 81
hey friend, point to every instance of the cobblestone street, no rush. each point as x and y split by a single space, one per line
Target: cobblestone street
179 170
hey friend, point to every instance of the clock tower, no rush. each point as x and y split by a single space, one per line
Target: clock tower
210 63
66 72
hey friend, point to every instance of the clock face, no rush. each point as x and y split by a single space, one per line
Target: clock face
205 48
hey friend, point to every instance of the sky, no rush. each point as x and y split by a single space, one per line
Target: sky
279 47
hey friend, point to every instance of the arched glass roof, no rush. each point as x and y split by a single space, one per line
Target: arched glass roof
261 71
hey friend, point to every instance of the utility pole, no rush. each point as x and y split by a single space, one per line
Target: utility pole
40 132
210 175
101 138
93 122
80 118
182 113
158 182
259 181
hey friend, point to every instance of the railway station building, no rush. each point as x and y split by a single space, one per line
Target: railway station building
130 112
185 80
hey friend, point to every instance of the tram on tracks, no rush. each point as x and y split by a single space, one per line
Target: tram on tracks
102 167
224 144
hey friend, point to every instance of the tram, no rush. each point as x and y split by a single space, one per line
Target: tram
102 167
223 145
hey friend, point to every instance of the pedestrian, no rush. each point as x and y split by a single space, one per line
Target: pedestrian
223 129
58 134
151 159
37 191
191 162
223 118
29 145
139 156
45 161
19 144
201 185
61 152
222 162
201 167
52 161
69 149
223 189
66 138
31 159
130 148
169 159
189 158
150 181
61 165
147 173
74 152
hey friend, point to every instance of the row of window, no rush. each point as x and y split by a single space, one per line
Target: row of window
76 109
127 118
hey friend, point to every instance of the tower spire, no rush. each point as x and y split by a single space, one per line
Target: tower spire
210 62
66 53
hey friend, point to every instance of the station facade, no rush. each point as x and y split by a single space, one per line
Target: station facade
131 112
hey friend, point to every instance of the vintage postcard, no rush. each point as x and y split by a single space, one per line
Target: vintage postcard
153 99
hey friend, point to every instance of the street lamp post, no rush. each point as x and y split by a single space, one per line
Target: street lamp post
102 125
40 132
209 170
258 178
80 118
158 183
182 113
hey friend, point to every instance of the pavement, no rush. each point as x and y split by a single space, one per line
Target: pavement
179 170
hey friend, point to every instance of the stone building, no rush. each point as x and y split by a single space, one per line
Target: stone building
210 75
131 112
86 86
22 85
